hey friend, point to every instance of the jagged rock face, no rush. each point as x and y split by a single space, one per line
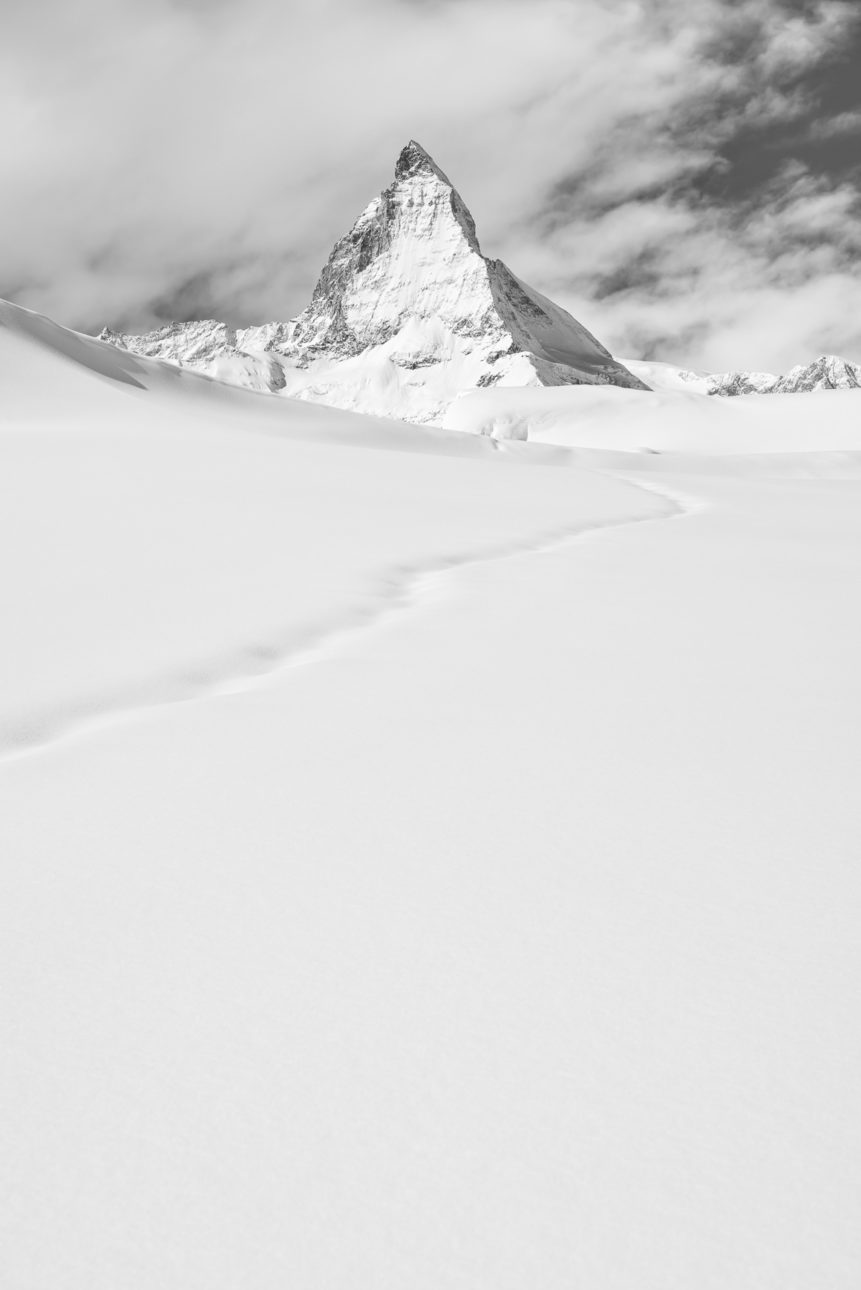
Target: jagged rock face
729 384
194 343
236 356
410 282
826 373
407 314
412 254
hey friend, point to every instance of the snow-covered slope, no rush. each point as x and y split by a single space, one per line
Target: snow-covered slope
406 315
424 862
666 376
681 420
187 536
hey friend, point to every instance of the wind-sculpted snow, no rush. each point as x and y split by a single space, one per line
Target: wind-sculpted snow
407 314
21 324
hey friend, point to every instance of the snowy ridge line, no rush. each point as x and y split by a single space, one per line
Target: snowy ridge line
400 589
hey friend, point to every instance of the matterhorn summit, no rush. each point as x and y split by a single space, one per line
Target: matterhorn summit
407 315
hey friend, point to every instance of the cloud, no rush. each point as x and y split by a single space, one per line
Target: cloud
842 124
697 233
185 157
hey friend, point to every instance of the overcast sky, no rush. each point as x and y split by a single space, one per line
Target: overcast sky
683 175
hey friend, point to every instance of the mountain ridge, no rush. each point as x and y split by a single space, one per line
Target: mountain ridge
408 315
828 372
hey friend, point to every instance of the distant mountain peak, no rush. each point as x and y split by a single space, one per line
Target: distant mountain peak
406 316
828 372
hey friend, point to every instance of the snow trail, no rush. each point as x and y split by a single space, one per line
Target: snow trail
401 588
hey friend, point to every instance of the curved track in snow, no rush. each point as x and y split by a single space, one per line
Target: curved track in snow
399 589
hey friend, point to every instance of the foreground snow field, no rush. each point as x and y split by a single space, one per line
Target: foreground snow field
425 862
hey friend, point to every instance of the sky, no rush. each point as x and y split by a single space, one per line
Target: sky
683 175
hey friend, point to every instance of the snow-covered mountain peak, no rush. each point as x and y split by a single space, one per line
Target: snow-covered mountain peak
412 253
414 159
407 314
828 372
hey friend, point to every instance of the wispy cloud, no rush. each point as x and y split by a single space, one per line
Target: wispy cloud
634 158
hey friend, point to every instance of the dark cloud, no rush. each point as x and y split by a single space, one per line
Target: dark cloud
724 228
820 131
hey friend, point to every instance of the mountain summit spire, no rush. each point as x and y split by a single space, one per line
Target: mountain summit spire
415 159
410 282
406 316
